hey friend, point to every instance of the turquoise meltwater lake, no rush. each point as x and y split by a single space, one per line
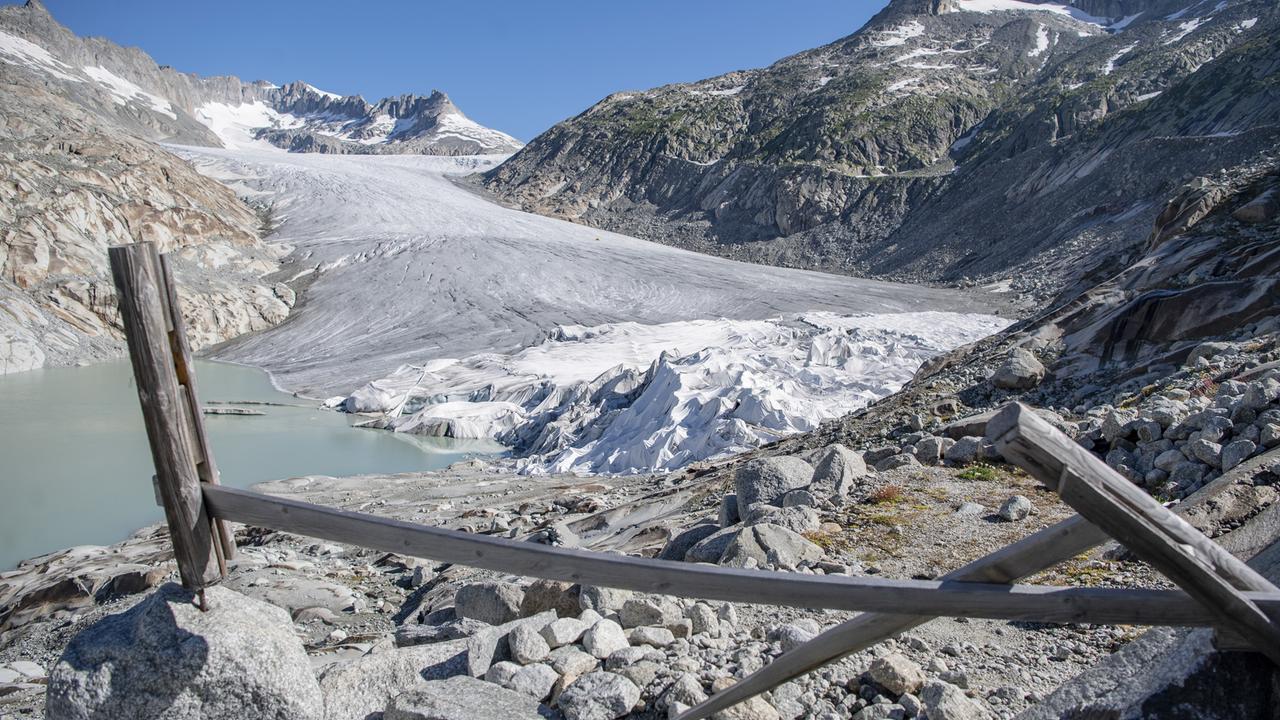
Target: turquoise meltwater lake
75 468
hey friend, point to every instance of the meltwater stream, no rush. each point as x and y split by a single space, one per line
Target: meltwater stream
75 468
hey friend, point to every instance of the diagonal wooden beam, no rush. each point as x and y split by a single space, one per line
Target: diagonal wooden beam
1198 565
1034 553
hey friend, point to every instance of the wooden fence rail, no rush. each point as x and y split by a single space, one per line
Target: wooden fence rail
923 597
1217 589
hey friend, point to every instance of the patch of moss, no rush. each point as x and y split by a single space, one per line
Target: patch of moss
979 471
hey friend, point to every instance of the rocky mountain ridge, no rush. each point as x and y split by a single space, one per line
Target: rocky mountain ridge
954 141
126 87
73 182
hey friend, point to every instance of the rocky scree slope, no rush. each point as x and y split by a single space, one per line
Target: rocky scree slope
1050 132
154 102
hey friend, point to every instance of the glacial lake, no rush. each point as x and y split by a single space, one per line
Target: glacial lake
75 468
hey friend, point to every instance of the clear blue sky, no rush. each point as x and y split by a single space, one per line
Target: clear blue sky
518 66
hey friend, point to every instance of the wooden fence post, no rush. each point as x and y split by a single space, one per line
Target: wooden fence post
185 370
137 274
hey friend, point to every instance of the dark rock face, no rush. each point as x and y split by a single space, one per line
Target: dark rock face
889 152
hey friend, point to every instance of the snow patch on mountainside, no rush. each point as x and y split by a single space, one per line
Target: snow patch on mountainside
125 92
899 35
1042 42
20 51
234 125
461 126
988 6
628 397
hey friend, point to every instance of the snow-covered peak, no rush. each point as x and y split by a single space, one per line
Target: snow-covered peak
127 88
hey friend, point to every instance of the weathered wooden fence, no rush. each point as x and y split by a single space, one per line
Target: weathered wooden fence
1217 589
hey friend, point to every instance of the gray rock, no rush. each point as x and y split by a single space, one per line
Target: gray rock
1215 428
1236 452
967 450
649 610
1168 460
1269 435
897 674
704 620
500 673
910 705
365 686
491 644
488 601
410 635
543 595
643 673
570 660
563 631
687 689
1187 475
604 638
1020 371
628 656
970 508
1117 424
797 518
1209 453
1207 351
929 450
1262 208
165 657
712 548
969 426
768 546
729 514
881 711
790 701
534 680
1015 508
897 461
292 591
654 636
837 471
799 498
602 599
1167 412
791 636
1261 393
943 701
463 698
1149 431
421 576
757 708
527 645
599 696
768 479
678 546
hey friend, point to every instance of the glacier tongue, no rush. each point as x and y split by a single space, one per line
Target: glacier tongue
626 397
581 349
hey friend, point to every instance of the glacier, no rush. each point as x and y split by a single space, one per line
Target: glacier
440 312
627 398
